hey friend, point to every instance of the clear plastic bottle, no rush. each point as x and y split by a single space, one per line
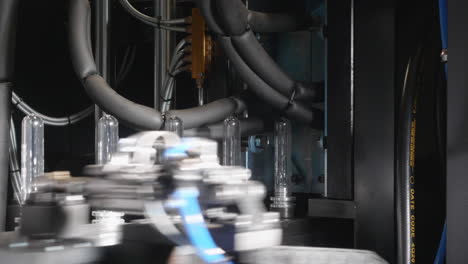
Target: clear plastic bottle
232 142
108 138
175 124
282 165
32 153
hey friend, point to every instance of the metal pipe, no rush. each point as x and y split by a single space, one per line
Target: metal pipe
162 48
49 120
5 95
8 15
101 54
153 21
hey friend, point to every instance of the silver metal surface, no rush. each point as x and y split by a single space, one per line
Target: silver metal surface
284 205
201 95
162 47
302 255
20 251
130 184
444 55
101 51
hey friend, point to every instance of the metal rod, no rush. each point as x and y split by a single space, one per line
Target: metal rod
101 52
5 95
162 48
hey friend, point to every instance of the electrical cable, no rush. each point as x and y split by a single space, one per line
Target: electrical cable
155 21
443 17
405 180
127 63
48 120
174 69
169 87
169 80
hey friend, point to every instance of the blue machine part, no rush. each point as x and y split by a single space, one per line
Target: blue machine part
186 201
177 151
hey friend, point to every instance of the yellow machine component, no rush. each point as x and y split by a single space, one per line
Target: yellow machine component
201 48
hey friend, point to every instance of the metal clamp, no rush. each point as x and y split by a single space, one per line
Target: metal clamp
444 56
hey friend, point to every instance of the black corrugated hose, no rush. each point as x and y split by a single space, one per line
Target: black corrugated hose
406 180
232 22
129 113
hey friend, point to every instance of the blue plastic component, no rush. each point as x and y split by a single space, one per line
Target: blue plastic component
443 16
441 252
181 149
443 23
177 151
194 224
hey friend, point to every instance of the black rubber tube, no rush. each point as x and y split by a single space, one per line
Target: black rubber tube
292 110
253 53
80 38
205 8
249 126
8 17
235 16
129 113
206 114
405 164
